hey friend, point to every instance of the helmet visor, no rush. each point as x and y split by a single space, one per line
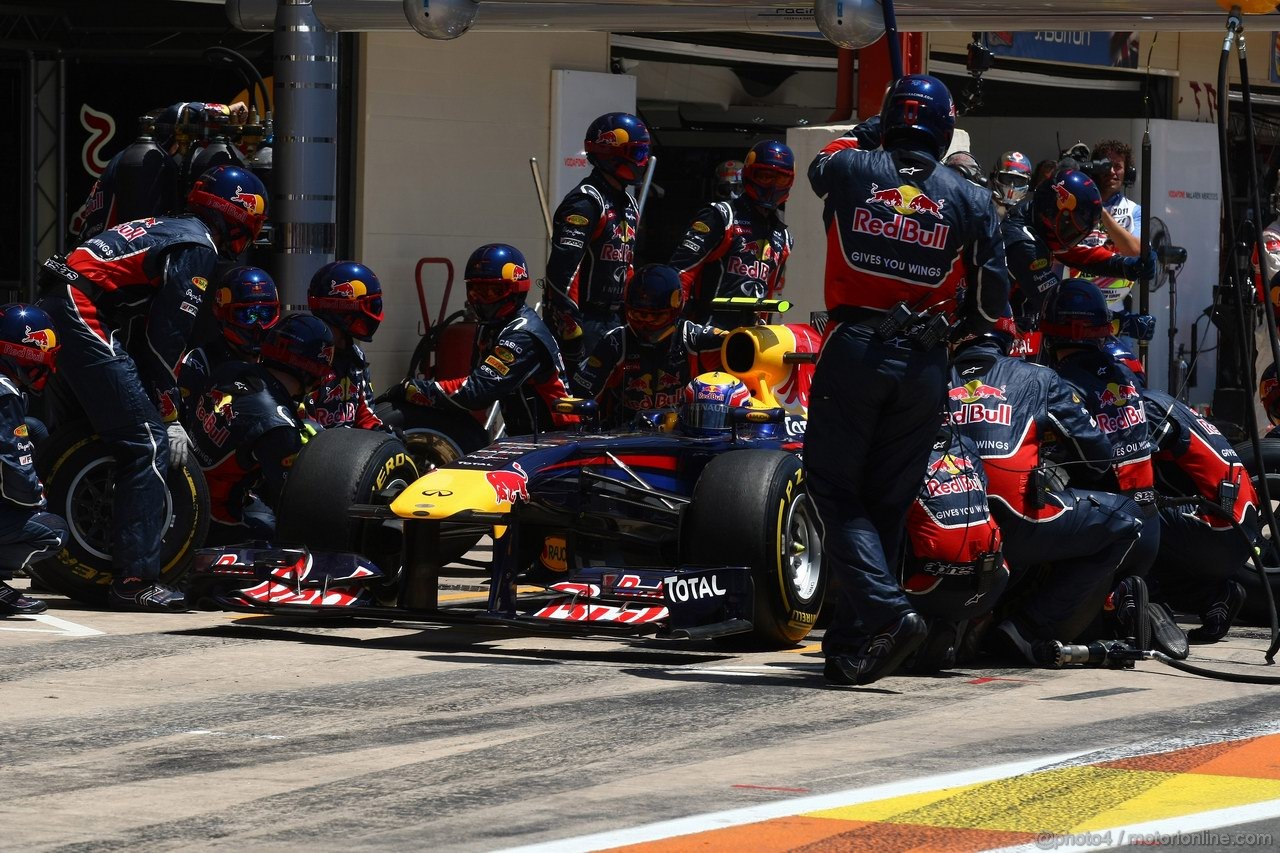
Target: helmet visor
706 416
262 315
487 291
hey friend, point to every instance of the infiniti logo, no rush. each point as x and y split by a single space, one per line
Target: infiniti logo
437 493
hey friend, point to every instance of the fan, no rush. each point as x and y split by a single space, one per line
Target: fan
1161 243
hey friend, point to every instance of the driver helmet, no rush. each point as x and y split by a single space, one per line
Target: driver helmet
497 279
1011 179
348 296
618 145
708 402
1077 313
1066 208
729 180
28 345
653 302
246 304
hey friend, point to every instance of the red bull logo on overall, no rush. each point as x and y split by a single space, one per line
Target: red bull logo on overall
509 486
902 228
968 405
1124 400
42 338
891 197
758 270
954 465
961 476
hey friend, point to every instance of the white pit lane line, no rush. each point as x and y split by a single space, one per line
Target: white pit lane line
57 626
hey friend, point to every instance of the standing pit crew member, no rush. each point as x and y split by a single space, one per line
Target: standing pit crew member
517 360
1010 180
348 297
594 234
646 363
157 270
905 236
953 572
28 353
740 247
728 180
1199 549
1015 412
246 304
244 426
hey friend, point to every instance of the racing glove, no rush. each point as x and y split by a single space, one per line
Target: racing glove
179 446
1138 268
1140 327
414 395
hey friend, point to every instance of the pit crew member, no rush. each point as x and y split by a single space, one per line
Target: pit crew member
1199 549
594 234
647 363
728 180
348 297
518 362
906 236
1016 413
244 429
1010 180
28 353
155 271
740 247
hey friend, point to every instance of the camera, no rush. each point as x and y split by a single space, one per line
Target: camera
1077 157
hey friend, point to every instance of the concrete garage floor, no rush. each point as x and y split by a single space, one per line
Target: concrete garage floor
213 731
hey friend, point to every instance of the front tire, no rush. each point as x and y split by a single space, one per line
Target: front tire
750 508
78 471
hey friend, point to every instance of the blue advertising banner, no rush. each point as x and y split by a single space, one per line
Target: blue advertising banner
1115 50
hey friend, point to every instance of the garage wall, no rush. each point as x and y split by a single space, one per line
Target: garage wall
445 133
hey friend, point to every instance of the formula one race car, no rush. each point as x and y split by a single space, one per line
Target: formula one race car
645 531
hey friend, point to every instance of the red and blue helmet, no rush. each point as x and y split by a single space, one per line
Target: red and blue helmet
246 304
768 173
347 295
28 344
1077 313
302 346
1012 177
1066 208
618 145
233 203
918 107
708 401
653 302
497 279
1269 391
729 180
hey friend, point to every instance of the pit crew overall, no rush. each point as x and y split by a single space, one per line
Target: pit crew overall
1110 393
518 365
140 181
153 272
1198 549
593 242
901 227
634 374
732 248
245 437
28 534
343 399
1011 410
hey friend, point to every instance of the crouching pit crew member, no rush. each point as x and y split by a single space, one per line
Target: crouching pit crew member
904 235
954 571
348 297
245 430
153 273
28 534
518 362
646 363
1015 412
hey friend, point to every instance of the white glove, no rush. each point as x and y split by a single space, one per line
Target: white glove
179 446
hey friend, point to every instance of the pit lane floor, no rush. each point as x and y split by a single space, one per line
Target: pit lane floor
212 731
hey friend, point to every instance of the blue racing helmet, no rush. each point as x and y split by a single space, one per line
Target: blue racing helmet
708 402
768 174
497 279
1121 353
348 296
1077 313
302 346
1066 208
28 344
246 304
918 107
233 203
653 302
618 145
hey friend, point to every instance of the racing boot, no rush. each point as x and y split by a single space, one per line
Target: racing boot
14 603
1012 638
1216 621
149 596
883 653
1125 611
937 652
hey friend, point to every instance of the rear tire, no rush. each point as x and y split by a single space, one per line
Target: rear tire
79 476
750 508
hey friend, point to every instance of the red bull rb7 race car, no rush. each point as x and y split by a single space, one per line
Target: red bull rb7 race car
643 531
